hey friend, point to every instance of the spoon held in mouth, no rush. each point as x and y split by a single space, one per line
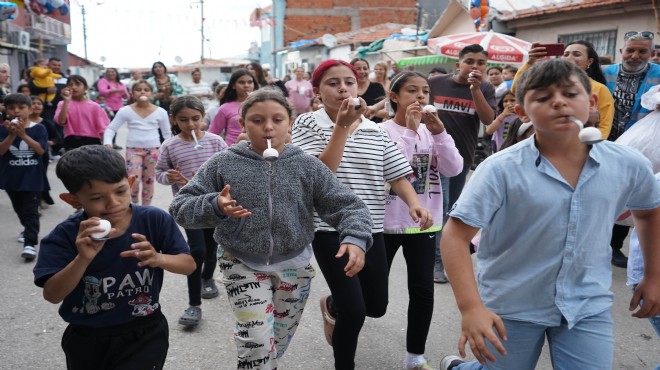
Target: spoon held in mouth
587 135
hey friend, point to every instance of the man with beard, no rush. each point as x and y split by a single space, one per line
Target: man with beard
627 82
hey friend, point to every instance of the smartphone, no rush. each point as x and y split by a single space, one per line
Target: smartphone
553 49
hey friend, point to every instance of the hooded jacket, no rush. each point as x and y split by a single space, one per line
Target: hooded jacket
281 195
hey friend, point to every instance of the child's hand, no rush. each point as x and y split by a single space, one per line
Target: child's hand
508 110
348 113
87 247
174 176
650 293
370 111
144 251
413 116
18 128
476 325
66 94
228 206
433 122
355 258
421 215
11 127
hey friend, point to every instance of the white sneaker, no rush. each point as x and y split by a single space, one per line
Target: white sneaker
21 238
29 253
450 361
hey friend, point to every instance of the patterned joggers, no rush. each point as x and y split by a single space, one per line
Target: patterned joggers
267 307
141 162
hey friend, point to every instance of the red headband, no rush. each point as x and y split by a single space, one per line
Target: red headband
323 67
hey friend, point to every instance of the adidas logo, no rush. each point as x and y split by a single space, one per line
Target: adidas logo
25 155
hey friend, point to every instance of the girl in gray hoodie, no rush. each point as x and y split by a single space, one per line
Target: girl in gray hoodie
263 214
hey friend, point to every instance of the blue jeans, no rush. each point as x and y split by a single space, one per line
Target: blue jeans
451 190
589 345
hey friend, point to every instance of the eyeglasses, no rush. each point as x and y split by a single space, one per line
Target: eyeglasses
645 34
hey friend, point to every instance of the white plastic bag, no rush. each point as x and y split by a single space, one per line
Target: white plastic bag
645 137
651 99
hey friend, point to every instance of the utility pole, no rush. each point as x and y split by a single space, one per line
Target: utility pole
201 6
82 10
201 2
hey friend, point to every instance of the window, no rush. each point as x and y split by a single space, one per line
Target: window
604 41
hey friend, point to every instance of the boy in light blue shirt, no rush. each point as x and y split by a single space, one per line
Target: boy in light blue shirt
546 207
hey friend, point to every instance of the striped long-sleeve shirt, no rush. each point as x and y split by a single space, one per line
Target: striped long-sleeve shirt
370 159
175 152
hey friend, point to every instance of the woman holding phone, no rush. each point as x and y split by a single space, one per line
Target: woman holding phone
584 55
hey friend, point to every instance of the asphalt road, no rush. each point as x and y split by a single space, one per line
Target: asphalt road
31 329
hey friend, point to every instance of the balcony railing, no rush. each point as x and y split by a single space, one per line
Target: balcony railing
50 28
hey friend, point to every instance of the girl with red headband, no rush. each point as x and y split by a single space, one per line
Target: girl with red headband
361 155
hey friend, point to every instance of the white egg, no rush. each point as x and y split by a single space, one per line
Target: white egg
143 98
429 109
15 120
356 103
106 226
271 154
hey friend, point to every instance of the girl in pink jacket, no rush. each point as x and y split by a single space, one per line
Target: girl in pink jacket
421 137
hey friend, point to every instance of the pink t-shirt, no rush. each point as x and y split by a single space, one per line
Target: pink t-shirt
227 120
113 100
300 93
84 118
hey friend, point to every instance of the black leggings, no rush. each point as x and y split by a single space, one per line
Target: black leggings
419 252
203 250
354 298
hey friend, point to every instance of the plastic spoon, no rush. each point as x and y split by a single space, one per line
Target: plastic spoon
270 154
197 144
587 135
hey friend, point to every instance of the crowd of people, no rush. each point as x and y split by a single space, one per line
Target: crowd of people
348 165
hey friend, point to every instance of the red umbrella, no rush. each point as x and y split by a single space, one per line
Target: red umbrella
501 48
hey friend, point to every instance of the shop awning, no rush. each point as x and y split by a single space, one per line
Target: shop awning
424 60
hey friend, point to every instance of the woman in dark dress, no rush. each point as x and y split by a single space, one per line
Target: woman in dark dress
371 92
